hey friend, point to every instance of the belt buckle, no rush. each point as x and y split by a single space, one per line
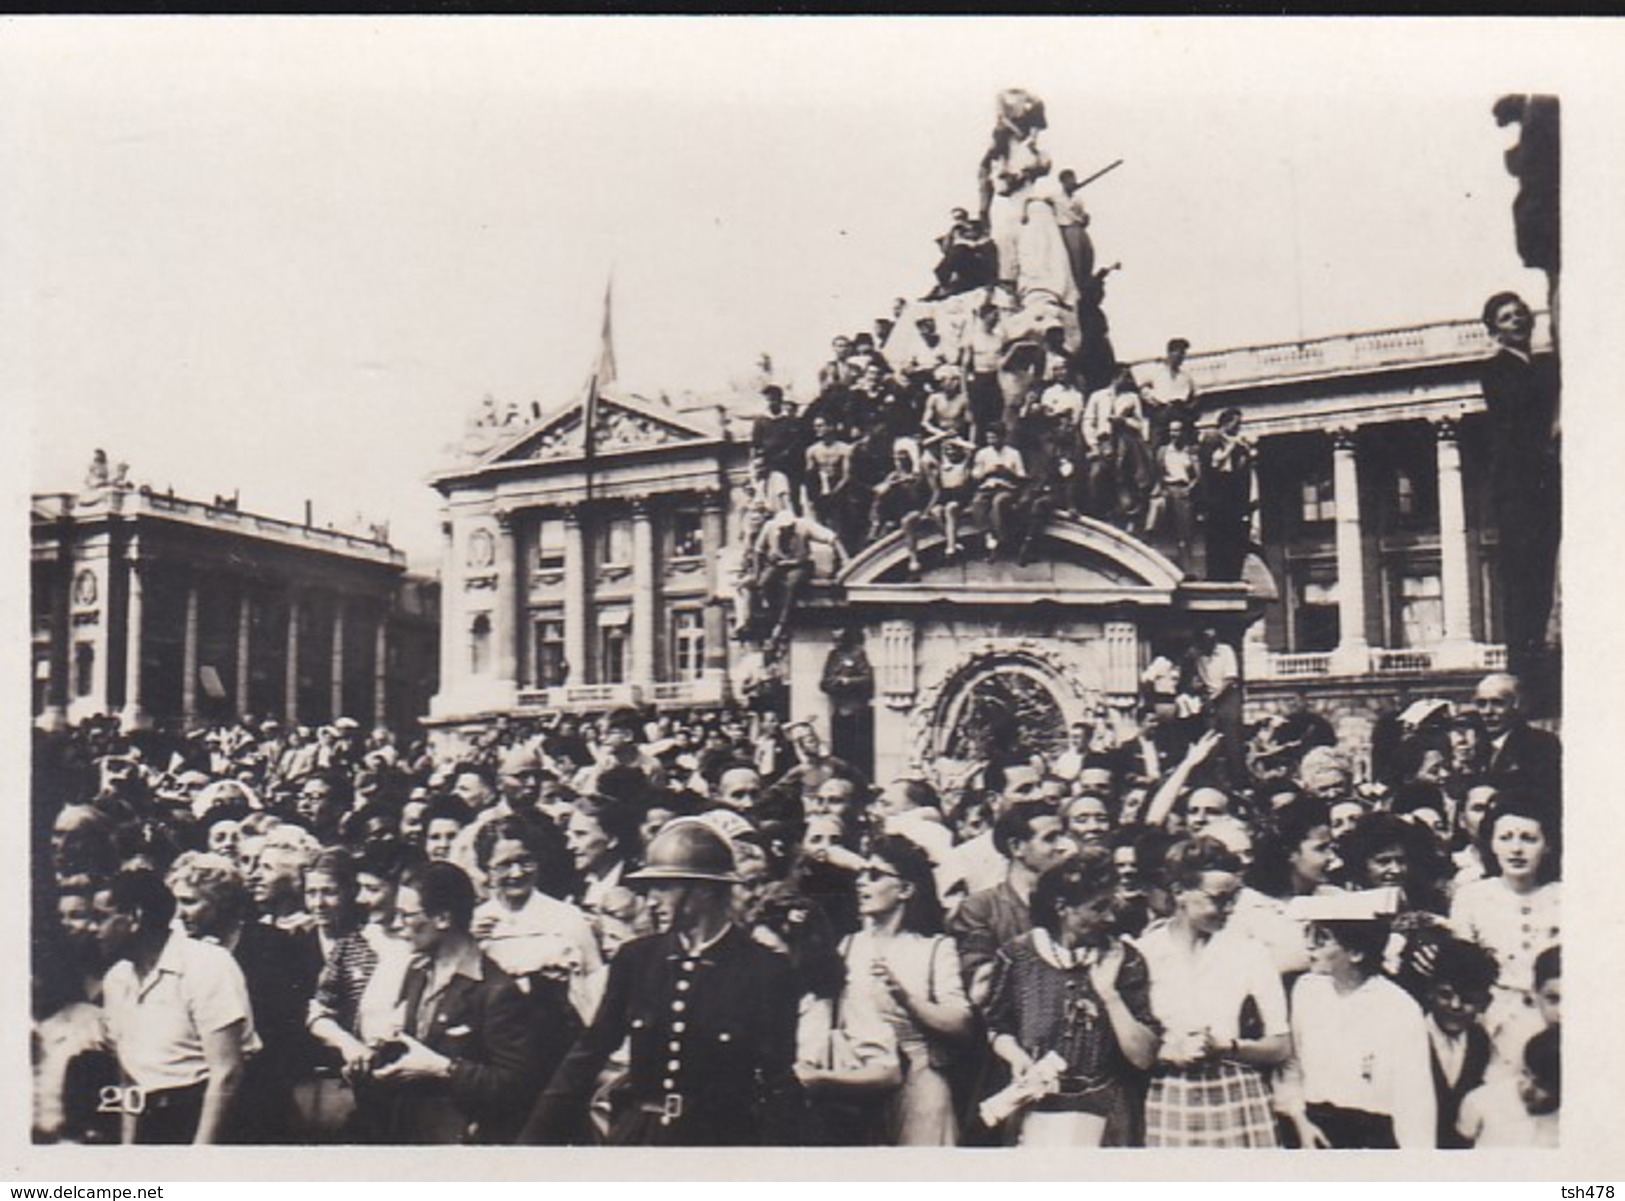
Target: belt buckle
671 1108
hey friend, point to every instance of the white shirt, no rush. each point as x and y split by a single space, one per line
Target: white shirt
1166 385
976 864
157 1024
1204 989
1368 1050
542 932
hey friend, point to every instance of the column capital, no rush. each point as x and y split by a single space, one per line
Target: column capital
642 509
1445 429
1343 437
571 513
713 500
504 518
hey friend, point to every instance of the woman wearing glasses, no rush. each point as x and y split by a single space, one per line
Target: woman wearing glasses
1216 993
912 973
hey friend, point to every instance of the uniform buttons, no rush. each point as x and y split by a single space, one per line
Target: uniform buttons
679 1005
674 1065
682 986
674 1046
668 1084
679 1027
688 965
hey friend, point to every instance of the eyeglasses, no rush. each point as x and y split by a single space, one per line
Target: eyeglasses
873 872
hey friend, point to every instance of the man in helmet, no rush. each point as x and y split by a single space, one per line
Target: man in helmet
710 1013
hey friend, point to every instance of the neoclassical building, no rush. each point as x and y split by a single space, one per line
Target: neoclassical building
175 611
581 576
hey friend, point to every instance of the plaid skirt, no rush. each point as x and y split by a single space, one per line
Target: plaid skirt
1214 1105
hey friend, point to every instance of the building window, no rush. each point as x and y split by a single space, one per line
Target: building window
615 542
479 645
1404 493
550 665
612 654
84 669
688 643
1317 617
550 544
1319 499
1421 610
687 534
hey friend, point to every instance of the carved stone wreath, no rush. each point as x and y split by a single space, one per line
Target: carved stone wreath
926 725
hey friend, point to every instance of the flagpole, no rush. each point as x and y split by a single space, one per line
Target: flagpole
603 373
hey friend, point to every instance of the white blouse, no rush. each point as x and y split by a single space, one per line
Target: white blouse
1516 926
1205 989
1366 1049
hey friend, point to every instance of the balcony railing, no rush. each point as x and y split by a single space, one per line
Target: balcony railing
1300 667
1437 342
1379 661
708 689
1386 661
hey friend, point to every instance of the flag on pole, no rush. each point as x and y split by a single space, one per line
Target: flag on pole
603 372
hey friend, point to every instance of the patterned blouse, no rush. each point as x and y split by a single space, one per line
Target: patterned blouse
344 977
1046 1007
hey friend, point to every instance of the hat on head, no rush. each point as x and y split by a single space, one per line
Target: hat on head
1365 905
688 848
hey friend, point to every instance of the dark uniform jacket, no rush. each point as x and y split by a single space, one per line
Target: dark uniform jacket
713 1048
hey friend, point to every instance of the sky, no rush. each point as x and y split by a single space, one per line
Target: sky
287 257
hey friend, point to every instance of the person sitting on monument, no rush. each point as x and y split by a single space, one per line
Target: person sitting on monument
947 472
998 472
968 260
901 501
784 556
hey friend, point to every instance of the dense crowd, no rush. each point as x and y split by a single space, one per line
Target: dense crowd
709 929
980 430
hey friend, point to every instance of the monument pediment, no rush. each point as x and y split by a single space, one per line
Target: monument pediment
1077 559
620 425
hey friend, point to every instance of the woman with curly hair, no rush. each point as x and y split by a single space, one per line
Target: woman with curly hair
1208 1085
1515 911
1073 989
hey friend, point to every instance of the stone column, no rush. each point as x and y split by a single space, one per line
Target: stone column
336 697
453 637
245 623
1352 656
189 659
290 699
575 597
713 522
380 673
643 596
1453 568
133 716
505 614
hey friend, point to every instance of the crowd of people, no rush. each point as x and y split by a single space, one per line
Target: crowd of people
711 930
990 404
983 441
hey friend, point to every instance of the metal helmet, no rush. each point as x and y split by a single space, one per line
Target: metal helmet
688 849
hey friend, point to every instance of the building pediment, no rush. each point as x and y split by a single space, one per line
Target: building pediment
1076 560
620 425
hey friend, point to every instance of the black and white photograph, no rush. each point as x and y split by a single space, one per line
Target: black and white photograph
799 583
